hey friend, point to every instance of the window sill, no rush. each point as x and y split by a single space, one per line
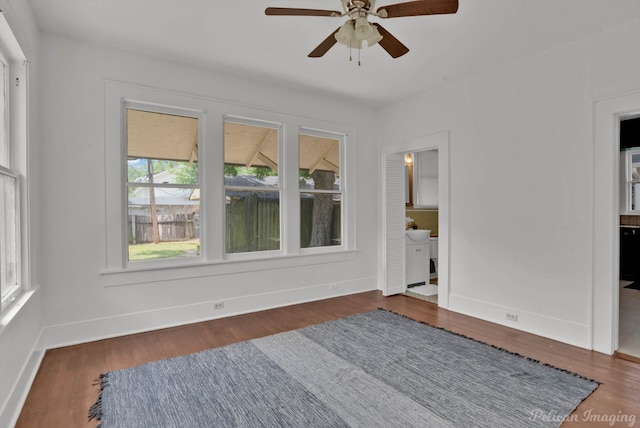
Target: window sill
147 274
13 310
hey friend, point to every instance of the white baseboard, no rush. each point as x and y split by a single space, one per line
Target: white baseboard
11 411
103 328
545 326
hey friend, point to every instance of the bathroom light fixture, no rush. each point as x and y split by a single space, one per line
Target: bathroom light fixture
408 160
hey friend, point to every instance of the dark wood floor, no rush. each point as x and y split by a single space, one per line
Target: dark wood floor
63 389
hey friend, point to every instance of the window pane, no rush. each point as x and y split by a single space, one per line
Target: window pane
320 224
319 162
635 197
251 162
4 143
8 236
319 179
635 170
175 227
161 136
252 221
250 155
163 172
162 221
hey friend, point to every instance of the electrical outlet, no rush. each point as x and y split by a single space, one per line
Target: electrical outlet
512 317
219 305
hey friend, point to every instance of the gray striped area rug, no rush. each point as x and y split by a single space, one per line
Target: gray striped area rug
375 369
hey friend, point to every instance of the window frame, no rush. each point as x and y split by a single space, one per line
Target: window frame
241 120
13 163
342 141
213 260
627 181
162 109
15 289
6 137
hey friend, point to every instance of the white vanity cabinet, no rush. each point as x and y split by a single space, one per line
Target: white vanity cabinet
417 259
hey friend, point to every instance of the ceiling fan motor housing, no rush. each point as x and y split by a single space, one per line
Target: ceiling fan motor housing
357 9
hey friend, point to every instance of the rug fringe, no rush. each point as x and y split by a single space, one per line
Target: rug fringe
95 411
497 347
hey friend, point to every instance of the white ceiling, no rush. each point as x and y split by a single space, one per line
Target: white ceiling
235 36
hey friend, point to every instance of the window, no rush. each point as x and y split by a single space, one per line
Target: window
320 189
221 188
252 186
163 195
631 181
13 123
9 235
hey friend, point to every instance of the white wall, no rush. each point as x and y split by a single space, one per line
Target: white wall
80 306
521 178
19 333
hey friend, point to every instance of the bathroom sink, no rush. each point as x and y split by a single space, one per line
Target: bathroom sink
418 234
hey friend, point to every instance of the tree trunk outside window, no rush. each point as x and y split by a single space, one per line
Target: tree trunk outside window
322 209
152 202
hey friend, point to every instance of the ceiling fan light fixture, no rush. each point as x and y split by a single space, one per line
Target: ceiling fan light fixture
363 29
346 34
358 29
375 36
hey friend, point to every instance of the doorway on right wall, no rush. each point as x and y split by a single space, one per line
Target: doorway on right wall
422 211
629 293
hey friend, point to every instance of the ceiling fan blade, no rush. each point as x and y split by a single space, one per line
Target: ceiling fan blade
286 11
324 46
389 43
417 8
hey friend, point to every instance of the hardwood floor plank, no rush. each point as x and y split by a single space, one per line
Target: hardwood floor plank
64 389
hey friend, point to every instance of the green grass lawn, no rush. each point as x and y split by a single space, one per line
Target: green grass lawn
163 250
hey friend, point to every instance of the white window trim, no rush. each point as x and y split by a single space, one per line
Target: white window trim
17 288
164 109
626 181
16 139
213 260
342 139
254 255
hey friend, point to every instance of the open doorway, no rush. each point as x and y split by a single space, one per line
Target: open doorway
604 316
393 267
421 214
629 255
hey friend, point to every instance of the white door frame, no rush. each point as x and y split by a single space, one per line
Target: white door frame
605 309
439 141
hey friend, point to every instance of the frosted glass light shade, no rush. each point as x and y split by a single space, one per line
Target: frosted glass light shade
362 29
346 36
375 36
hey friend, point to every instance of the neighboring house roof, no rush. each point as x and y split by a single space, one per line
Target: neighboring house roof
163 195
163 201
179 196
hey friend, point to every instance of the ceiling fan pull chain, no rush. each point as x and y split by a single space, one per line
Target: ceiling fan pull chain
350 50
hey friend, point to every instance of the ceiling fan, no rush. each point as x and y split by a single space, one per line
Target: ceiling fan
358 29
